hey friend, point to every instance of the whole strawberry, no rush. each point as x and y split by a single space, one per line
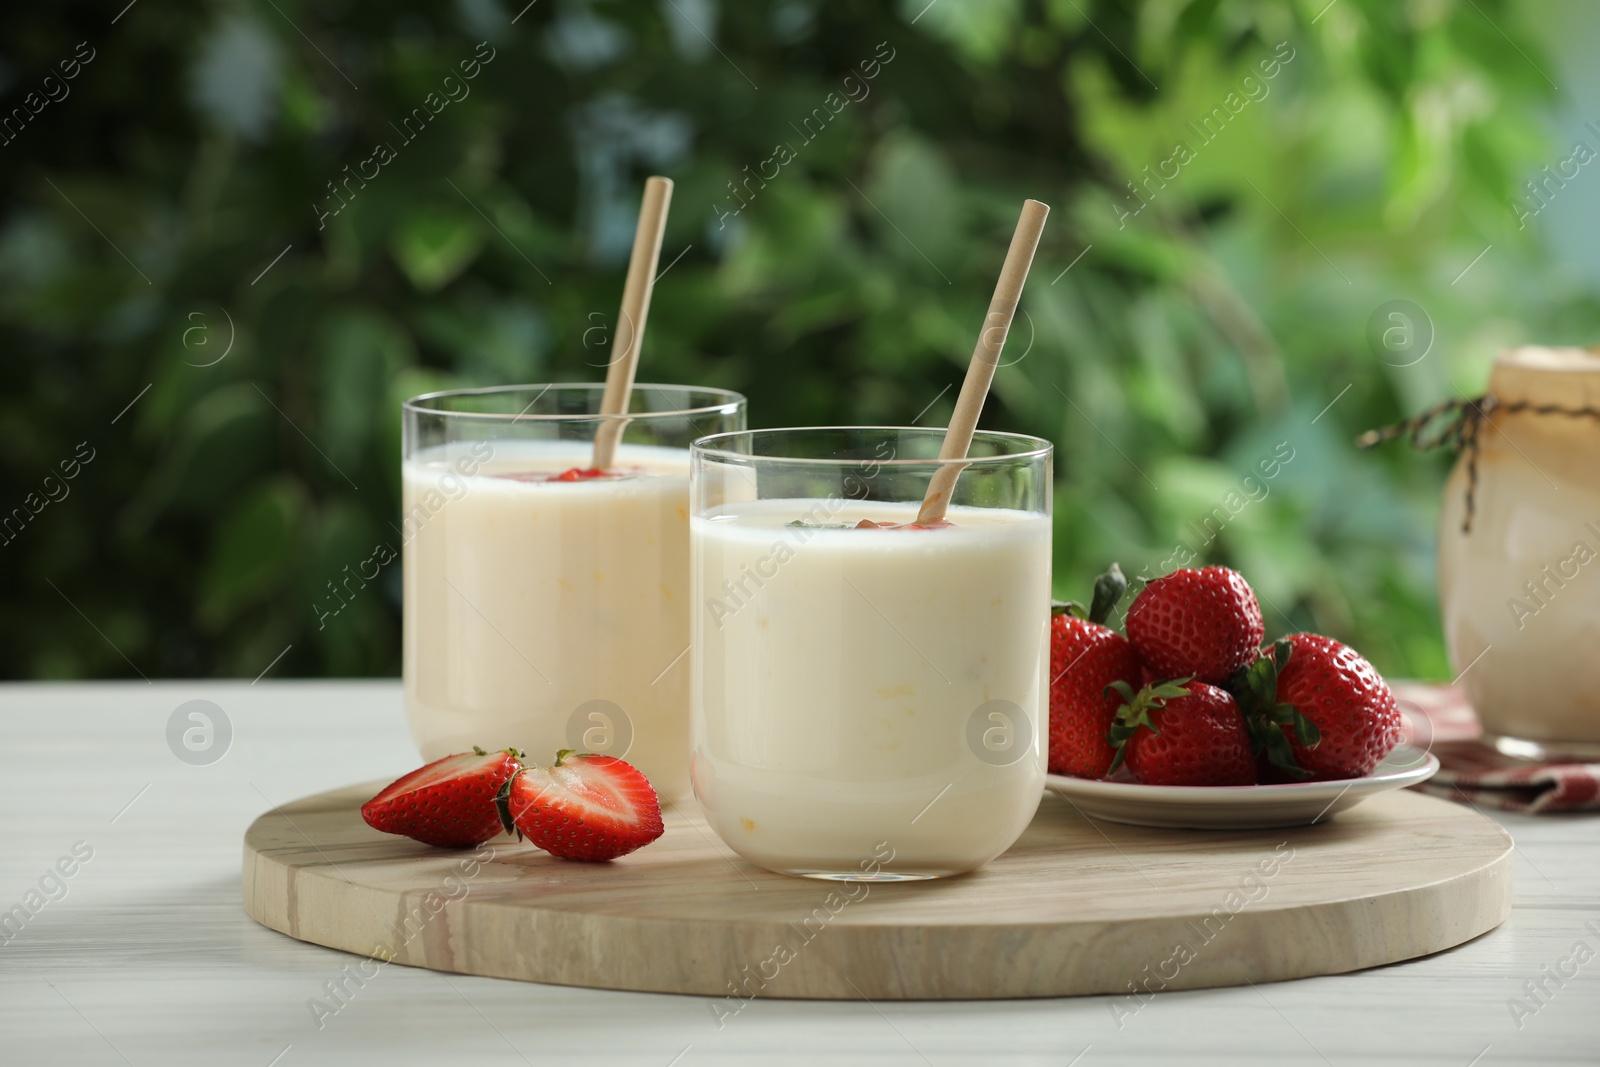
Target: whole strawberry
1086 658
449 803
1316 709
582 807
1203 624
1183 733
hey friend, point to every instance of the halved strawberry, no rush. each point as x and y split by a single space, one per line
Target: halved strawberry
582 808
449 803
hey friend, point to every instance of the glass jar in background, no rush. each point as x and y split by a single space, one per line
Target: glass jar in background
869 703
546 608
1519 555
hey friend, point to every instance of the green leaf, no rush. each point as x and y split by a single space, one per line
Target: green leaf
1196 19
434 246
217 444
1256 689
252 550
357 347
1134 714
914 185
1124 690
1305 731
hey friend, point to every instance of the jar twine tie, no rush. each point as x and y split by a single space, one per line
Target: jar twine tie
1455 424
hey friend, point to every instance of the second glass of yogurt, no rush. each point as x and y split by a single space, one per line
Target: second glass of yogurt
546 604
869 695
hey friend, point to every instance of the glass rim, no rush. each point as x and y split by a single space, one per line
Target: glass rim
419 403
707 447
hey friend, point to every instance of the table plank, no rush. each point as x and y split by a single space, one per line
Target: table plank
149 958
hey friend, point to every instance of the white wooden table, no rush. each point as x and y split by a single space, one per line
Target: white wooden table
146 957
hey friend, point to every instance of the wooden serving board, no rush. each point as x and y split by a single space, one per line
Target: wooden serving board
1075 907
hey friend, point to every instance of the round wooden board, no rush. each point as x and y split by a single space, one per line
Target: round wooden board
1075 907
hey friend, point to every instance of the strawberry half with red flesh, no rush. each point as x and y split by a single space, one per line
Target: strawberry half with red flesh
1203 624
1183 733
1086 658
1316 709
449 803
583 807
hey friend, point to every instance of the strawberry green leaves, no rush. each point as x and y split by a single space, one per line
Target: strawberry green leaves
1256 689
1136 708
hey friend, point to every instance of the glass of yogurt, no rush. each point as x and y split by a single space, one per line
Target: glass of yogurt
546 604
868 695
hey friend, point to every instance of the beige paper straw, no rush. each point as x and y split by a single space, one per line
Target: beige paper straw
985 357
630 322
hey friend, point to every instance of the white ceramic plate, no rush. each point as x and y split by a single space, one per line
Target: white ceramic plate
1240 807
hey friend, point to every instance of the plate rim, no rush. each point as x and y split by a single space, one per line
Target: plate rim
1249 795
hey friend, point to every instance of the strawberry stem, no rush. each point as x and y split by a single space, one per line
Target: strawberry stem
502 805
1108 591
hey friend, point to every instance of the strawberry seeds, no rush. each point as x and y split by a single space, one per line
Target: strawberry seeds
1189 697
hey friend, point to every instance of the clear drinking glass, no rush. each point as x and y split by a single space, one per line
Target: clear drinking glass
544 608
868 703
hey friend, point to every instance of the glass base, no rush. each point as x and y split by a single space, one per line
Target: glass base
1545 751
858 875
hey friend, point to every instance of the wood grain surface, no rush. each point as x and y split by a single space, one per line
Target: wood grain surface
151 960
1076 907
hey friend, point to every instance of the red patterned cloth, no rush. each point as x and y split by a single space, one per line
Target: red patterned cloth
1439 718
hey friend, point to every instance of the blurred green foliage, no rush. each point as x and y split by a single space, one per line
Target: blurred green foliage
170 207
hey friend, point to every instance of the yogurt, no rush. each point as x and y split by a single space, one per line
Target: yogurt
862 692
544 614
